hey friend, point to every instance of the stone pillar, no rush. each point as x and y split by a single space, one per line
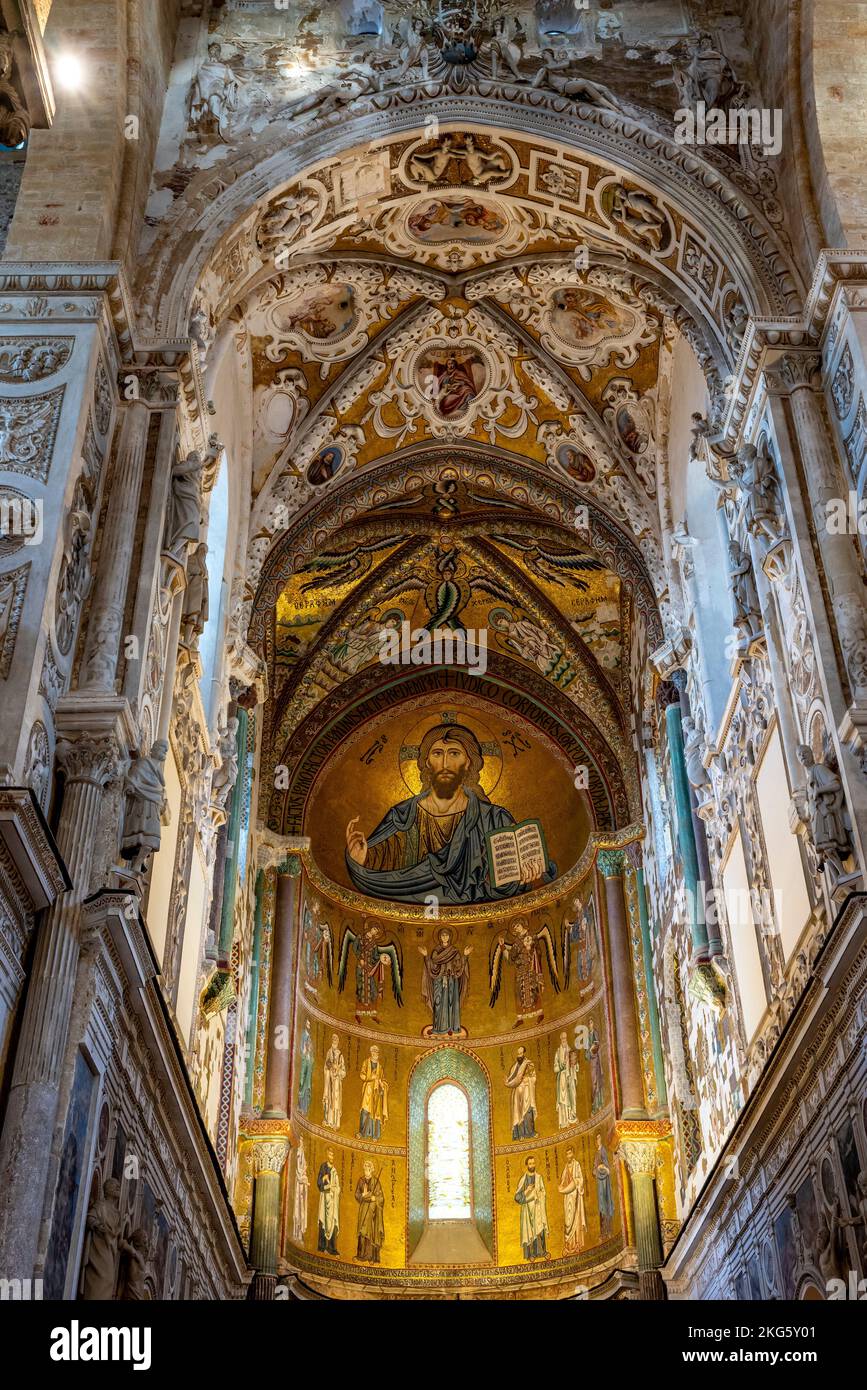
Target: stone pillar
611 865
634 855
640 1159
686 833
90 762
102 647
280 1004
269 1160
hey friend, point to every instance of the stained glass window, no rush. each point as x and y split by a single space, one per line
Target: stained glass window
448 1155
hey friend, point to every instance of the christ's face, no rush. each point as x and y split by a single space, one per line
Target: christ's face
448 765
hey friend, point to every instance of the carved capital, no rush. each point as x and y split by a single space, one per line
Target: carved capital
794 371
276 851
611 862
639 1156
269 1156
96 760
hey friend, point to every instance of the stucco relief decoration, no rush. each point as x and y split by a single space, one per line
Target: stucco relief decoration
28 429
12 589
632 418
452 373
582 321
843 385
32 359
37 765
636 215
457 160
290 218
454 231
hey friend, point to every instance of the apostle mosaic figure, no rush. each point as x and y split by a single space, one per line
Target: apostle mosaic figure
317 950
305 1073
374 1097
524 953
434 844
328 1183
533 1201
299 1194
604 1196
374 958
565 1082
332 1093
571 1188
371 1225
521 1081
444 983
581 941
593 1054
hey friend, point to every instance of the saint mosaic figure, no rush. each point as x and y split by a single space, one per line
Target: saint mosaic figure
305 1071
328 1183
581 942
565 1082
593 1054
604 1196
299 1195
571 1187
435 843
524 953
533 1201
521 1081
444 983
371 1225
374 957
332 1093
374 1097
318 951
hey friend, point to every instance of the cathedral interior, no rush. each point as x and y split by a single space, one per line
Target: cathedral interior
433 649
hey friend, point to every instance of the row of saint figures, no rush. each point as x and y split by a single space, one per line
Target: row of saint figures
532 1220
582 1051
530 952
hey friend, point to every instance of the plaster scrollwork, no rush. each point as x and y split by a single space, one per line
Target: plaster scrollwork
452 373
454 230
632 419
843 384
28 430
452 159
583 321
13 586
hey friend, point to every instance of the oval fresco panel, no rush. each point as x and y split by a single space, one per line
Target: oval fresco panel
435 221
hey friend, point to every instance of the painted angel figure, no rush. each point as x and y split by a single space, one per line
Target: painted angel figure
318 951
524 952
581 936
374 957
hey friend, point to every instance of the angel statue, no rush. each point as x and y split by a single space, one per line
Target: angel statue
524 952
374 957
318 949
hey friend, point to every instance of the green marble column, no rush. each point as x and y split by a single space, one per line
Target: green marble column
634 853
253 1013
233 840
640 1159
611 864
269 1159
685 834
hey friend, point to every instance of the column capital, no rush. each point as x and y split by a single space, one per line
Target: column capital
794 371
96 759
639 1155
269 1155
275 851
611 862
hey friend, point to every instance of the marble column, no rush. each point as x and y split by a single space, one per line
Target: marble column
279 1054
640 1159
102 647
269 1160
800 374
612 864
634 854
696 886
90 762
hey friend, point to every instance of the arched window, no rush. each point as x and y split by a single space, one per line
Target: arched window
449 1183
218 530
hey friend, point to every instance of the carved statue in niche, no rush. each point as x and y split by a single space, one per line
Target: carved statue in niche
185 517
133 1267
756 476
747 615
829 1243
103 1229
214 95
14 117
824 809
145 793
226 774
554 74
195 613
697 773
